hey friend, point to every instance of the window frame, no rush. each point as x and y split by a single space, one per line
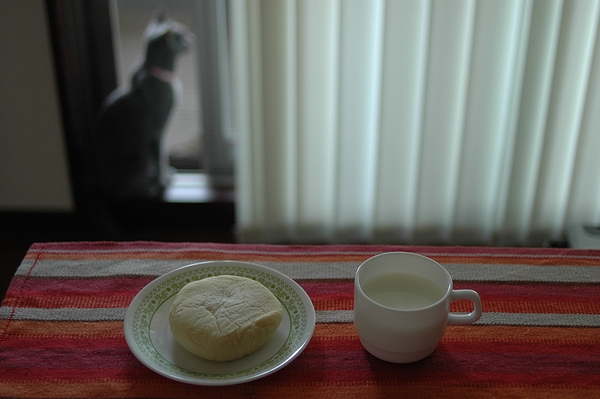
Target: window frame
84 63
215 94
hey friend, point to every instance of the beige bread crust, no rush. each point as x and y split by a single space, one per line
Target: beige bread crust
224 317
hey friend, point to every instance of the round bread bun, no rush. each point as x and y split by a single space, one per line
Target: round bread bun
224 317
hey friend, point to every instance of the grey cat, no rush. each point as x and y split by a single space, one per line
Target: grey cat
128 158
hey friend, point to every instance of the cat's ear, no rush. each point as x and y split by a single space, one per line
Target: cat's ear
161 14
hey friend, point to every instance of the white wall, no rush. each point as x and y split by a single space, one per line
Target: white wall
34 174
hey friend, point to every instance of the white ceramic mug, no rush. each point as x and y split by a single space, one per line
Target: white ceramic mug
404 327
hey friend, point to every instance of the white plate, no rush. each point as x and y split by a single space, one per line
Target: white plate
149 336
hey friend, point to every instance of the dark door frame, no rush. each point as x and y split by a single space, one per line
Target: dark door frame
85 69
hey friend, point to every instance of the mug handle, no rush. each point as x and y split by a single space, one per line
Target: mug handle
460 319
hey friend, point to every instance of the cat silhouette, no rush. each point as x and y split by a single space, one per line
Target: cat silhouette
128 155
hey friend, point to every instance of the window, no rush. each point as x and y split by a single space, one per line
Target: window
182 140
83 42
199 137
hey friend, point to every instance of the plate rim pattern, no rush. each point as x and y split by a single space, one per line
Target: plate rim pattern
147 302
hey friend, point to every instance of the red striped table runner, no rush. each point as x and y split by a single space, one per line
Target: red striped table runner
61 324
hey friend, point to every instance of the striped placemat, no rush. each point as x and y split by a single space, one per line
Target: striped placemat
61 324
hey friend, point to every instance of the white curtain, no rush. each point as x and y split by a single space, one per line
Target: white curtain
415 121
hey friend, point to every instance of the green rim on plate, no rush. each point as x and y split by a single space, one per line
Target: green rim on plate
300 331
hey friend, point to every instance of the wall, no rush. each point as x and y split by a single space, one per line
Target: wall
34 174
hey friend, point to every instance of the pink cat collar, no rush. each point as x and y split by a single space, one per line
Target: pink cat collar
162 74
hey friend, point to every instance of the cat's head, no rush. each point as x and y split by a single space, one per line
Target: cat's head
165 39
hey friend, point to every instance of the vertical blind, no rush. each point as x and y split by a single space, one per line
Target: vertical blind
415 121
